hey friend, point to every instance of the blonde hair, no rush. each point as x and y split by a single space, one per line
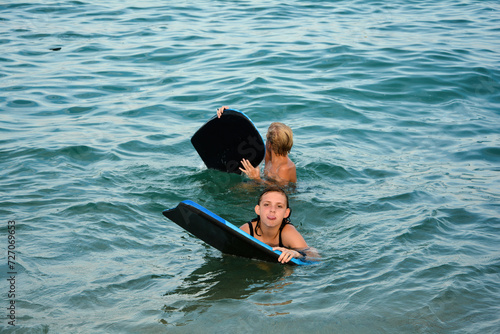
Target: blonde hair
280 136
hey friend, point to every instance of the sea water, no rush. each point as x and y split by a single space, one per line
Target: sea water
395 109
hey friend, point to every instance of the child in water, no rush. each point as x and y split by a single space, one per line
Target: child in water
272 226
277 164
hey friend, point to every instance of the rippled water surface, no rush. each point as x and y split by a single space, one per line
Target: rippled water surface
395 109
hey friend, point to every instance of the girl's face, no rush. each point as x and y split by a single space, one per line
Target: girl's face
272 209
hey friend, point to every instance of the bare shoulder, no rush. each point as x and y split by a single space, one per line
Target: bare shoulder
288 172
245 228
289 228
292 238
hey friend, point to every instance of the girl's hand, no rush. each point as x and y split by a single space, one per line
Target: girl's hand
251 171
221 110
286 254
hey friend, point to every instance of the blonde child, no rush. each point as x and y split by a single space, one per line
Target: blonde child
277 165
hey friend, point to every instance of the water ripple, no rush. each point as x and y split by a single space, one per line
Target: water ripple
394 108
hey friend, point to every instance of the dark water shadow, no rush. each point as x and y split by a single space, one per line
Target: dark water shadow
219 278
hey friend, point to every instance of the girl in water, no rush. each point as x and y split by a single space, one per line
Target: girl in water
272 226
277 164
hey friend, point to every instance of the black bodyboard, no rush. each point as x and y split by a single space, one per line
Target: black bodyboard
221 234
223 142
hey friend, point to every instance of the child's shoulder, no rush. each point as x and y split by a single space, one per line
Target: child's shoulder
290 164
292 238
288 171
245 227
289 228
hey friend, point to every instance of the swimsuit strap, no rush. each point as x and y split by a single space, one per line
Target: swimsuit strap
251 228
281 229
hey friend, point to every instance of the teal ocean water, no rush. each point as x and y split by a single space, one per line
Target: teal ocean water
395 108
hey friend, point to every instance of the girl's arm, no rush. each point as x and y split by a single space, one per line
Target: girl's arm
293 241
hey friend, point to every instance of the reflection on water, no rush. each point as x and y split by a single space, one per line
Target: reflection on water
393 109
219 278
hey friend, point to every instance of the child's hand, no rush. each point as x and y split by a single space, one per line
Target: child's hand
221 110
251 171
286 254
